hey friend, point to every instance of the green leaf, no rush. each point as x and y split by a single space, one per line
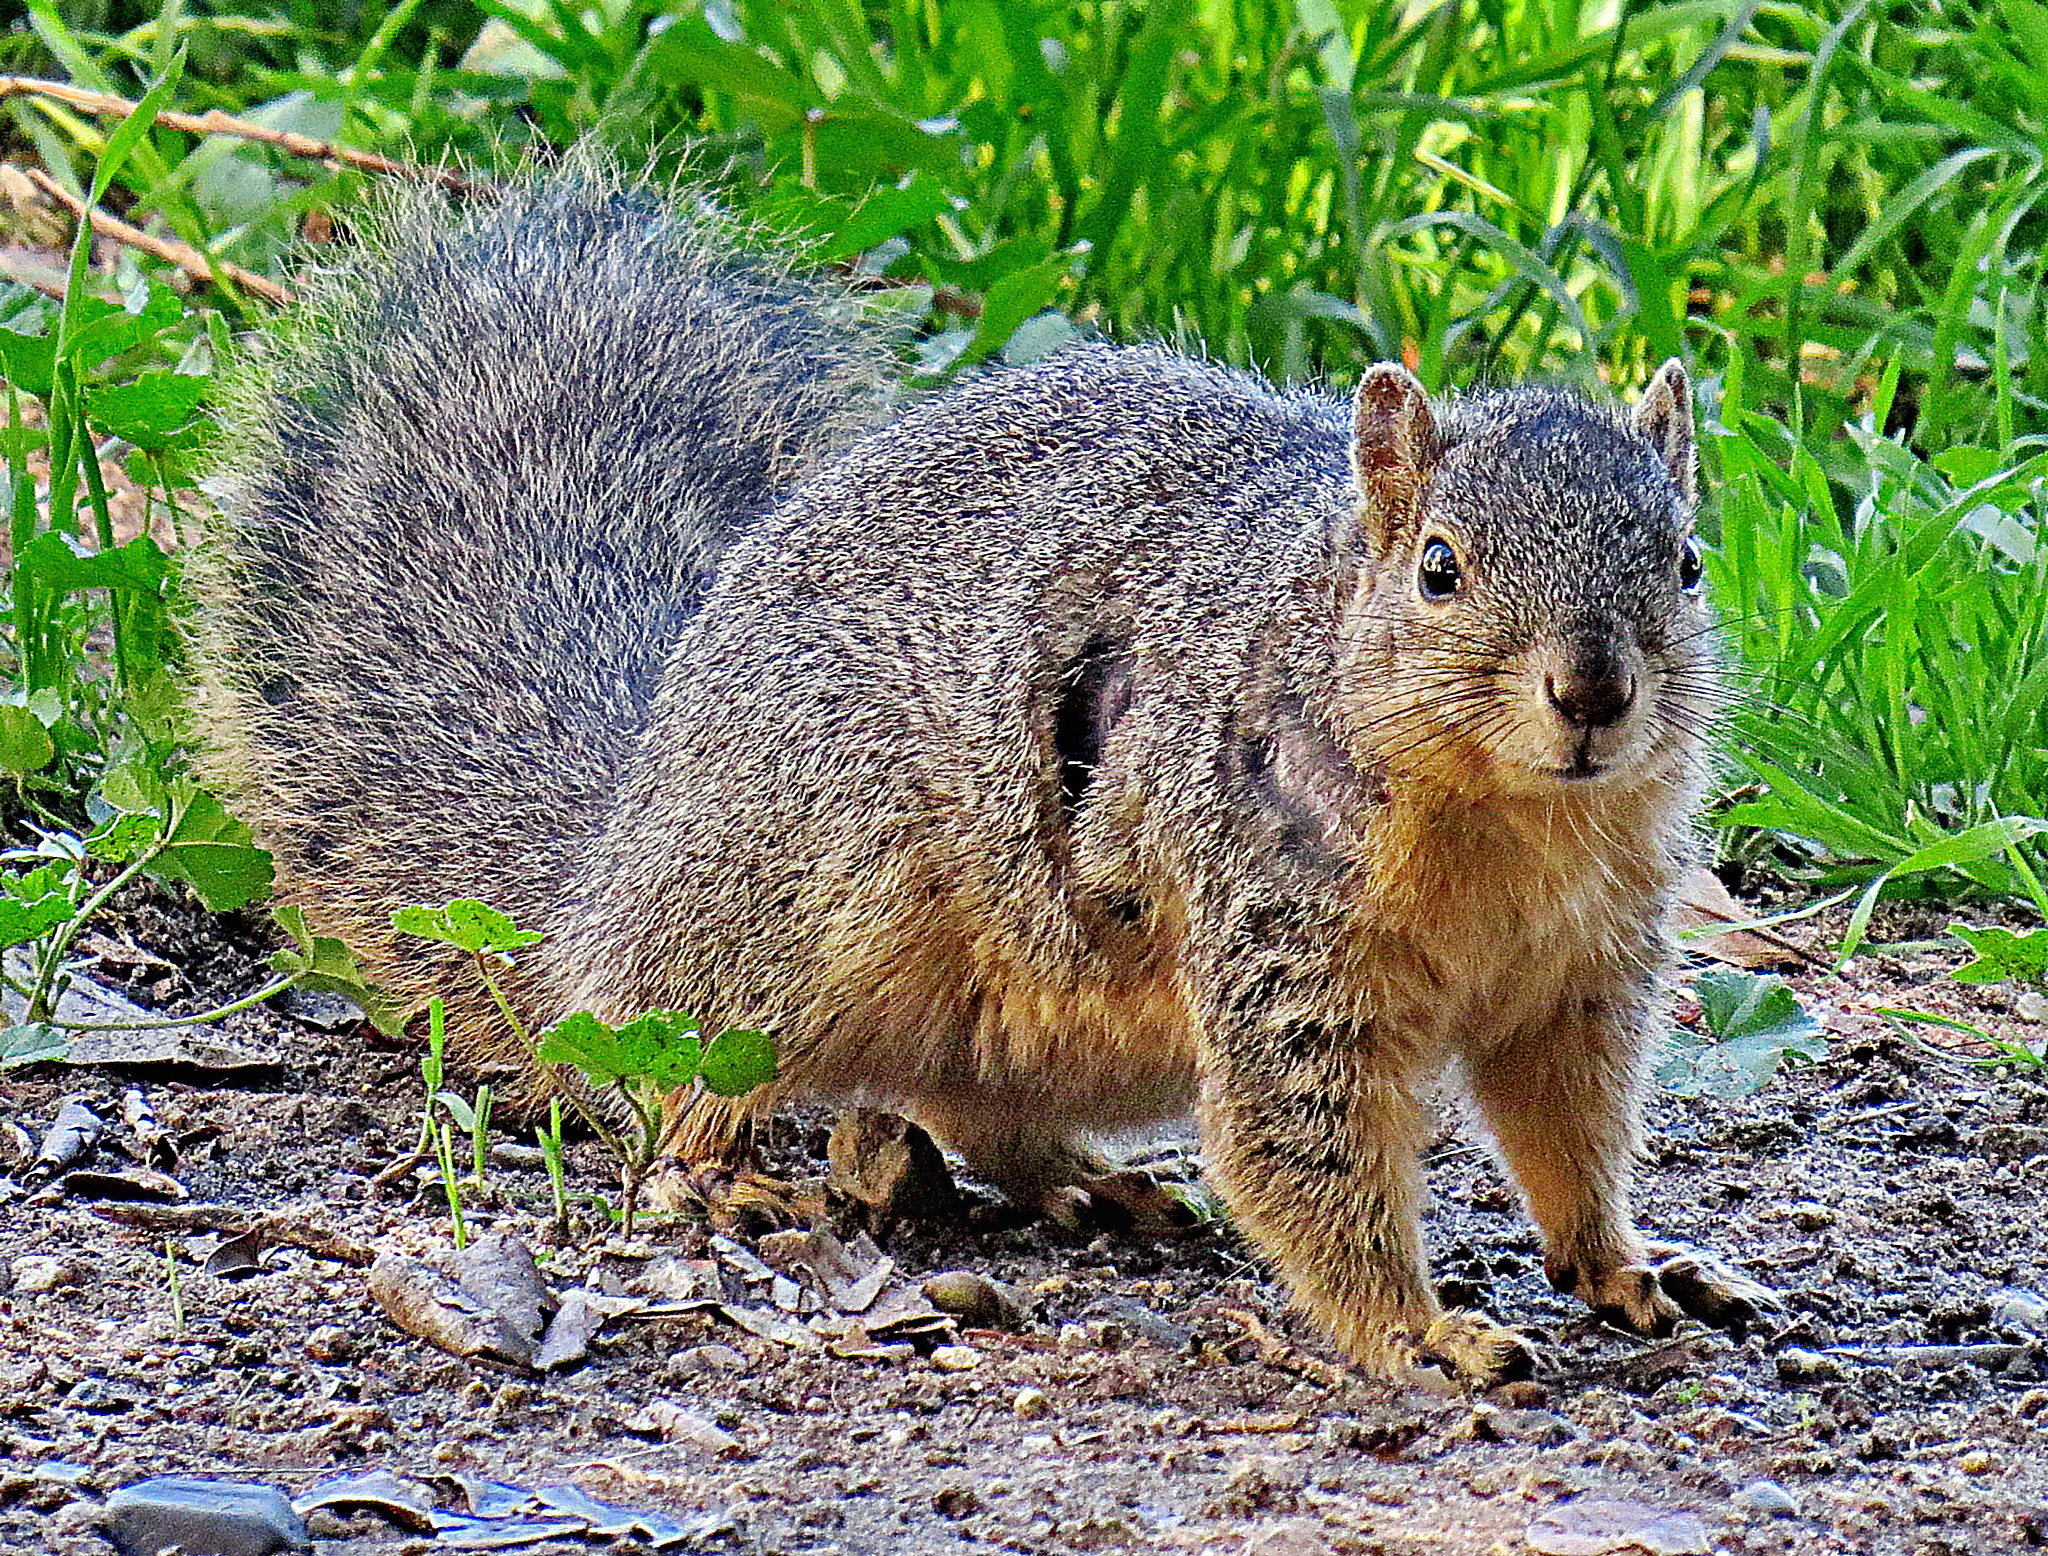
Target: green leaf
62 562
458 1109
587 1043
326 966
2002 954
25 745
1967 465
129 132
467 925
151 410
23 921
885 213
1972 845
737 1061
1752 1023
29 362
211 852
1012 300
31 1044
662 1047
125 836
113 329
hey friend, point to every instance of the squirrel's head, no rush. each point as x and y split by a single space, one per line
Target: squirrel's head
1530 615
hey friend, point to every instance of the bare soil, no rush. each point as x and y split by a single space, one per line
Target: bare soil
1889 1193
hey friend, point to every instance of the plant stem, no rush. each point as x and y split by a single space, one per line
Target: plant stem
218 1013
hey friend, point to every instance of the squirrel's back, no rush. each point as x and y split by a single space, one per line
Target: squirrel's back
476 483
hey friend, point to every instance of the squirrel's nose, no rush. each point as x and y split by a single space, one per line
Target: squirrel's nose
1591 702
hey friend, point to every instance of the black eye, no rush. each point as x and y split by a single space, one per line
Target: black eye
1689 566
1438 576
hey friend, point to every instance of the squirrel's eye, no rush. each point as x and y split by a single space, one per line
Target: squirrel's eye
1689 564
1438 576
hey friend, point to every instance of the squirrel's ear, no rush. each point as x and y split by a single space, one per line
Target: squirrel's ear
1394 447
1664 416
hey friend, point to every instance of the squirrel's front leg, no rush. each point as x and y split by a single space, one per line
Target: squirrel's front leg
1562 1098
1312 1134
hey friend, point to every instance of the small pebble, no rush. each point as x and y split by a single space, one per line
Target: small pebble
1978 1461
1799 1366
1031 1404
1767 1499
975 1300
956 1358
36 1273
955 1501
702 1360
2017 1308
331 1343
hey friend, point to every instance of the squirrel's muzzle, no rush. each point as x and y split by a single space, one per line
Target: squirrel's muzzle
1591 701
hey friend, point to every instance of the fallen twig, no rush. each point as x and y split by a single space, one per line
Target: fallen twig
1991 1355
278 1227
214 122
1277 1352
198 266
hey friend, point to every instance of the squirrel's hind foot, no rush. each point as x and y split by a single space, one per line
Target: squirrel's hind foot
1671 1282
733 1198
1468 1348
1123 1199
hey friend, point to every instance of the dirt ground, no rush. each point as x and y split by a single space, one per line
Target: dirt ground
1155 1396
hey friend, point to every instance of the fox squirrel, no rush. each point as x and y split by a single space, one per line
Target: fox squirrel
1040 758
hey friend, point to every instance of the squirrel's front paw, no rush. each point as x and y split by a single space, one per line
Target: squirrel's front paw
1671 1282
1471 1348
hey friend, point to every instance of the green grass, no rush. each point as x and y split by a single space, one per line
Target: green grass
1835 212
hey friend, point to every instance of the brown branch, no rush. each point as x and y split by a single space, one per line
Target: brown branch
214 122
188 259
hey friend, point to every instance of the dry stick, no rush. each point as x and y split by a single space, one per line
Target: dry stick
1276 1352
188 259
214 122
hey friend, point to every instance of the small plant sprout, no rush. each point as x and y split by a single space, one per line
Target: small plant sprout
548 1137
644 1065
451 1182
1752 1023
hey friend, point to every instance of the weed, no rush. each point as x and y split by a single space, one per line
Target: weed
548 1137
1753 1024
646 1066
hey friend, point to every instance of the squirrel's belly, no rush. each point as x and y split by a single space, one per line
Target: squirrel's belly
1107 1056
938 1002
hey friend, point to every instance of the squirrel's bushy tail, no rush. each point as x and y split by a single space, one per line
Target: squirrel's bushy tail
474 484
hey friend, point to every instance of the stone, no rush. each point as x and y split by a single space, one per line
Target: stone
1766 1499
1802 1366
203 1517
2015 1307
974 1299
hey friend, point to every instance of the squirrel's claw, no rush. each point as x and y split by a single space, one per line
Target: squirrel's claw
1669 1283
1705 1288
1471 1348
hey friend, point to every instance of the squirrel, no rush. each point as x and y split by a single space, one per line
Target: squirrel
1044 757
